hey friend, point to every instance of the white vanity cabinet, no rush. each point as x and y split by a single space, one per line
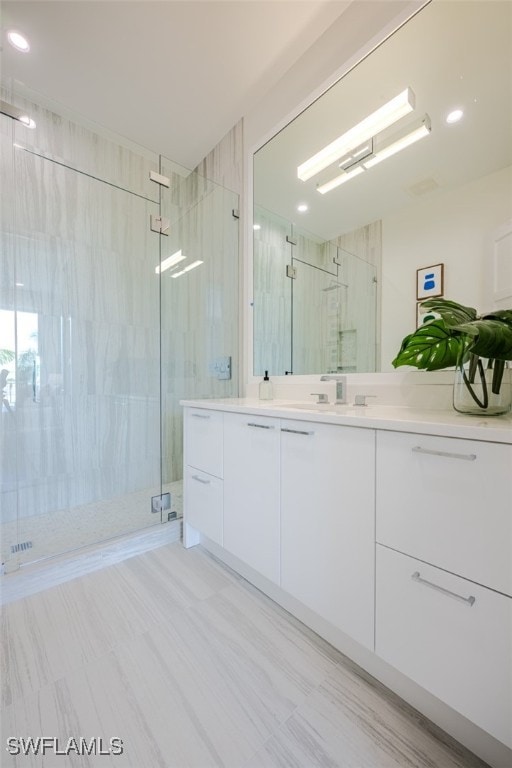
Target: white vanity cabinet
203 471
251 491
327 523
374 531
448 502
450 635
444 571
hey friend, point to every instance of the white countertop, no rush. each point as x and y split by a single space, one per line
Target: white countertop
446 423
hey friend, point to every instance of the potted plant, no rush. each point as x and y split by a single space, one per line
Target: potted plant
458 336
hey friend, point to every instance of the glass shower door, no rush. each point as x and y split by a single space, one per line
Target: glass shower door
200 306
81 313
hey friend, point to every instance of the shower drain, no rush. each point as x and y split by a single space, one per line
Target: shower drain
21 547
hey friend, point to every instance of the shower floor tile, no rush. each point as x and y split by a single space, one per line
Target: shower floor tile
69 529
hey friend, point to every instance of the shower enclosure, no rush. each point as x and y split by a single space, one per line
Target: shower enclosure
103 329
315 300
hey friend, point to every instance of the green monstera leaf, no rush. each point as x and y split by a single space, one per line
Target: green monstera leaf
432 347
490 338
452 313
503 315
458 334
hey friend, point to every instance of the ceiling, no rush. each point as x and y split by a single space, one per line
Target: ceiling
173 76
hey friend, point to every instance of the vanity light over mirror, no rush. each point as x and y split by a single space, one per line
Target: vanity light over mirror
404 163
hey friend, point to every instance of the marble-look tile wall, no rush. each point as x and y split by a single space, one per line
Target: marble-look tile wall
366 244
272 296
325 318
96 401
199 308
224 164
83 146
78 260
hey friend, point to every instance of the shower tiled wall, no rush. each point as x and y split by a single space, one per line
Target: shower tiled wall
324 318
199 308
105 345
80 430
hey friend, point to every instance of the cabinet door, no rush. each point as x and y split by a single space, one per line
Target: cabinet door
327 523
447 501
203 503
451 636
203 440
251 491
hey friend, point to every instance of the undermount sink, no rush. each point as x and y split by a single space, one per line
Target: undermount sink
323 407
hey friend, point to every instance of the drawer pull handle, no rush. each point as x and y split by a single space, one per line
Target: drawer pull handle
464 456
201 415
416 577
296 431
260 426
200 480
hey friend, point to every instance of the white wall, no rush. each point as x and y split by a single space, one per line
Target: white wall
453 227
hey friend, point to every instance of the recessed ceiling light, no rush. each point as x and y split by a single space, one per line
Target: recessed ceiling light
454 116
18 41
302 208
256 226
26 120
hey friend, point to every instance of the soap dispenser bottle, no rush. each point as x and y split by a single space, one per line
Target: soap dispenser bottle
266 388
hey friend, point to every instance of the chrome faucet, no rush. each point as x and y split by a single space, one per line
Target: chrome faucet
341 387
361 399
322 398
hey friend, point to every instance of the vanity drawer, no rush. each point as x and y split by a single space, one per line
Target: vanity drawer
448 502
204 440
204 503
449 635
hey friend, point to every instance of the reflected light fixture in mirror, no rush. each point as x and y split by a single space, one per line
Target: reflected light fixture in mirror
370 156
187 269
411 137
440 200
377 121
169 262
341 179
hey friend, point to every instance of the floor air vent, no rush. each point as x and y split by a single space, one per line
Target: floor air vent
21 547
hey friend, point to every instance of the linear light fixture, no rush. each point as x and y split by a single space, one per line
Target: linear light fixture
395 144
341 179
169 262
187 269
414 135
382 118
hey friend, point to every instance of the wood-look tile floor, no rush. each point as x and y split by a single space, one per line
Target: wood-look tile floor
192 667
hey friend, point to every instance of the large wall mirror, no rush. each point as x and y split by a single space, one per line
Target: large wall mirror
404 164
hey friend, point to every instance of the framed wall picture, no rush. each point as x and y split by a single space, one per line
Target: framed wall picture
429 282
